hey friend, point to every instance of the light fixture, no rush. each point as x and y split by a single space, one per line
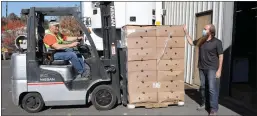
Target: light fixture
96 4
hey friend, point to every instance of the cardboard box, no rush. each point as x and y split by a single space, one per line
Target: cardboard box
171 65
171 96
141 42
142 76
139 31
150 97
171 42
171 86
142 54
170 53
148 65
142 87
171 91
167 31
168 75
142 91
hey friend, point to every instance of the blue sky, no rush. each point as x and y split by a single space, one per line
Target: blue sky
15 7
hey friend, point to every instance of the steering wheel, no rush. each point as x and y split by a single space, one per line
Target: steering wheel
80 42
83 49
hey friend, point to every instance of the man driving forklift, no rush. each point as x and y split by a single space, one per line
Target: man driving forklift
53 39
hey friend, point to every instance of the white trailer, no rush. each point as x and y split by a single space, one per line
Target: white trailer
127 13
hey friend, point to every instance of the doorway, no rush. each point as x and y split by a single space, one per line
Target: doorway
243 86
202 19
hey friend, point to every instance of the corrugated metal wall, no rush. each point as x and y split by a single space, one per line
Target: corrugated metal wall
179 13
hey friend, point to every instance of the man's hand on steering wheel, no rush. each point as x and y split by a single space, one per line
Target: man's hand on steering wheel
74 44
80 38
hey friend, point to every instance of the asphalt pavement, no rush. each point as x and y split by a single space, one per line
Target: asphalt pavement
8 108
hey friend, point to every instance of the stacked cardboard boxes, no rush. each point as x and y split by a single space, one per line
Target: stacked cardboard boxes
155 63
170 65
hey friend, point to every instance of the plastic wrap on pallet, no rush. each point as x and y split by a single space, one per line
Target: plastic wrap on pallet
139 31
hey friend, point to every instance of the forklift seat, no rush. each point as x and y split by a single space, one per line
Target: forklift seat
60 62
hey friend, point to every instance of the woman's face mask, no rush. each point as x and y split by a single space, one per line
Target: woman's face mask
204 33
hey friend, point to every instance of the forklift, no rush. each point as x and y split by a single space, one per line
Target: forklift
38 80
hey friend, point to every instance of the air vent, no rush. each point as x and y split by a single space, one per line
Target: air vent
153 12
132 19
95 12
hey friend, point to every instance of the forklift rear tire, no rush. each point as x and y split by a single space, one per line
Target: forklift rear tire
32 103
104 97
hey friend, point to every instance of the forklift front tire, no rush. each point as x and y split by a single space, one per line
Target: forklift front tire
32 103
104 97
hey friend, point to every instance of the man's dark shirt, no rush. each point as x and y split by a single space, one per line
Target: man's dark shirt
209 53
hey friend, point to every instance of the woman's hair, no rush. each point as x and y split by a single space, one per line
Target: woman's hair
202 39
212 30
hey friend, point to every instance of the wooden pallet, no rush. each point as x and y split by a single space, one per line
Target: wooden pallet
154 105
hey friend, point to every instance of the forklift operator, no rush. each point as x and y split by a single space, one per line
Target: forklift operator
53 39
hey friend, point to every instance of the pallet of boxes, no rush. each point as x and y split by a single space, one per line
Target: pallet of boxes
155 65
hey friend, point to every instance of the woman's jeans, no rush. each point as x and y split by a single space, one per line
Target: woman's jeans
209 88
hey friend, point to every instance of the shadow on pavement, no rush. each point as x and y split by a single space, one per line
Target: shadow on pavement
193 94
74 106
70 107
227 102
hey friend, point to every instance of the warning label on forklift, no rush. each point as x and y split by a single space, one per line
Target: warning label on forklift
113 50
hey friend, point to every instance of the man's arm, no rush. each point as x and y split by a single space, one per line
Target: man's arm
72 38
189 39
220 62
64 46
220 53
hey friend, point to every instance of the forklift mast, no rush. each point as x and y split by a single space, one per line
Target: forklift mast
108 27
110 42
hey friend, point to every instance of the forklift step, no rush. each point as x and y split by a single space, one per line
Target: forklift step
77 84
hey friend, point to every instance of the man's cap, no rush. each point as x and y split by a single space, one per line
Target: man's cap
53 23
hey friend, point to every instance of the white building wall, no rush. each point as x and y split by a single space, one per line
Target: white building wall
179 13
158 12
